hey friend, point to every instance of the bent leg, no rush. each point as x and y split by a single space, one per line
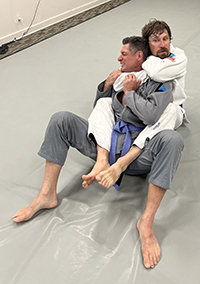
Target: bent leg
101 123
160 157
64 130
171 118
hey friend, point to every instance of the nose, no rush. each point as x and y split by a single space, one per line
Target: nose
120 58
162 43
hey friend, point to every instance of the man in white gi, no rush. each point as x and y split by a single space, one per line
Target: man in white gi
166 63
135 107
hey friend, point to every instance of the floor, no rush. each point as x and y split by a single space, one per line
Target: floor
23 42
91 236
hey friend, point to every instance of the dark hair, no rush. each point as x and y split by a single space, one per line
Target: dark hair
137 43
154 27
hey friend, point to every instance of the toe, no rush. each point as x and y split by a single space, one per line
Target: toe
146 261
85 184
147 265
155 260
152 262
16 219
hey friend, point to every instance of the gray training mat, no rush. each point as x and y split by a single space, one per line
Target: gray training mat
91 236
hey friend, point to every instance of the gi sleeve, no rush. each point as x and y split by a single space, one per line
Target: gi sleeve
150 108
103 94
162 70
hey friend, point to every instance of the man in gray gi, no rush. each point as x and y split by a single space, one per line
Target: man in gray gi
138 105
166 63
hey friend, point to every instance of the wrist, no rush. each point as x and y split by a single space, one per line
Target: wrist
106 85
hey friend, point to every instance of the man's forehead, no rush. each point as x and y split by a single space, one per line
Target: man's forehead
158 34
125 48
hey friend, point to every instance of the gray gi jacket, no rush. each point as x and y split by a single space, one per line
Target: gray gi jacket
143 107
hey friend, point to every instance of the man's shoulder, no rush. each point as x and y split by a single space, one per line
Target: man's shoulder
153 86
149 86
177 51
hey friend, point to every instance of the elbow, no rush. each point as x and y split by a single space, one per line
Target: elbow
151 119
157 77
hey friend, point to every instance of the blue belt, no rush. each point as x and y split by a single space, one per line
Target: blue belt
121 127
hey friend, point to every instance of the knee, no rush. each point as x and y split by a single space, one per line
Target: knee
172 108
172 139
60 117
104 103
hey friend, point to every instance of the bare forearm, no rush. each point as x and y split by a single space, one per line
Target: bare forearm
106 85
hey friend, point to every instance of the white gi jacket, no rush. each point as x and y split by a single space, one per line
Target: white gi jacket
160 70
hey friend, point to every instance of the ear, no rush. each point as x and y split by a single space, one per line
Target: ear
140 55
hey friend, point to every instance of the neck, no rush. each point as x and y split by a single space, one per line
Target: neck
135 70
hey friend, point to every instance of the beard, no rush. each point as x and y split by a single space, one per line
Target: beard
163 53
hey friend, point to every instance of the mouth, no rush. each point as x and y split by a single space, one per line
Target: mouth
162 53
163 50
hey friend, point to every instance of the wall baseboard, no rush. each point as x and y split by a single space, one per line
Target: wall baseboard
60 26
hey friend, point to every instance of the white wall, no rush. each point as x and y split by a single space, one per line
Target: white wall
49 12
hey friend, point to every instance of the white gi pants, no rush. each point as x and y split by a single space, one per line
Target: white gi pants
101 123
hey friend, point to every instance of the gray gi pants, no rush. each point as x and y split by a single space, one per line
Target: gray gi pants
160 156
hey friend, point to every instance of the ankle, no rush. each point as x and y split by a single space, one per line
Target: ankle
102 154
47 192
121 164
146 222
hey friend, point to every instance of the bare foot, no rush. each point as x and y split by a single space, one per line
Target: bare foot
108 177
149 244
40 202
91 177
